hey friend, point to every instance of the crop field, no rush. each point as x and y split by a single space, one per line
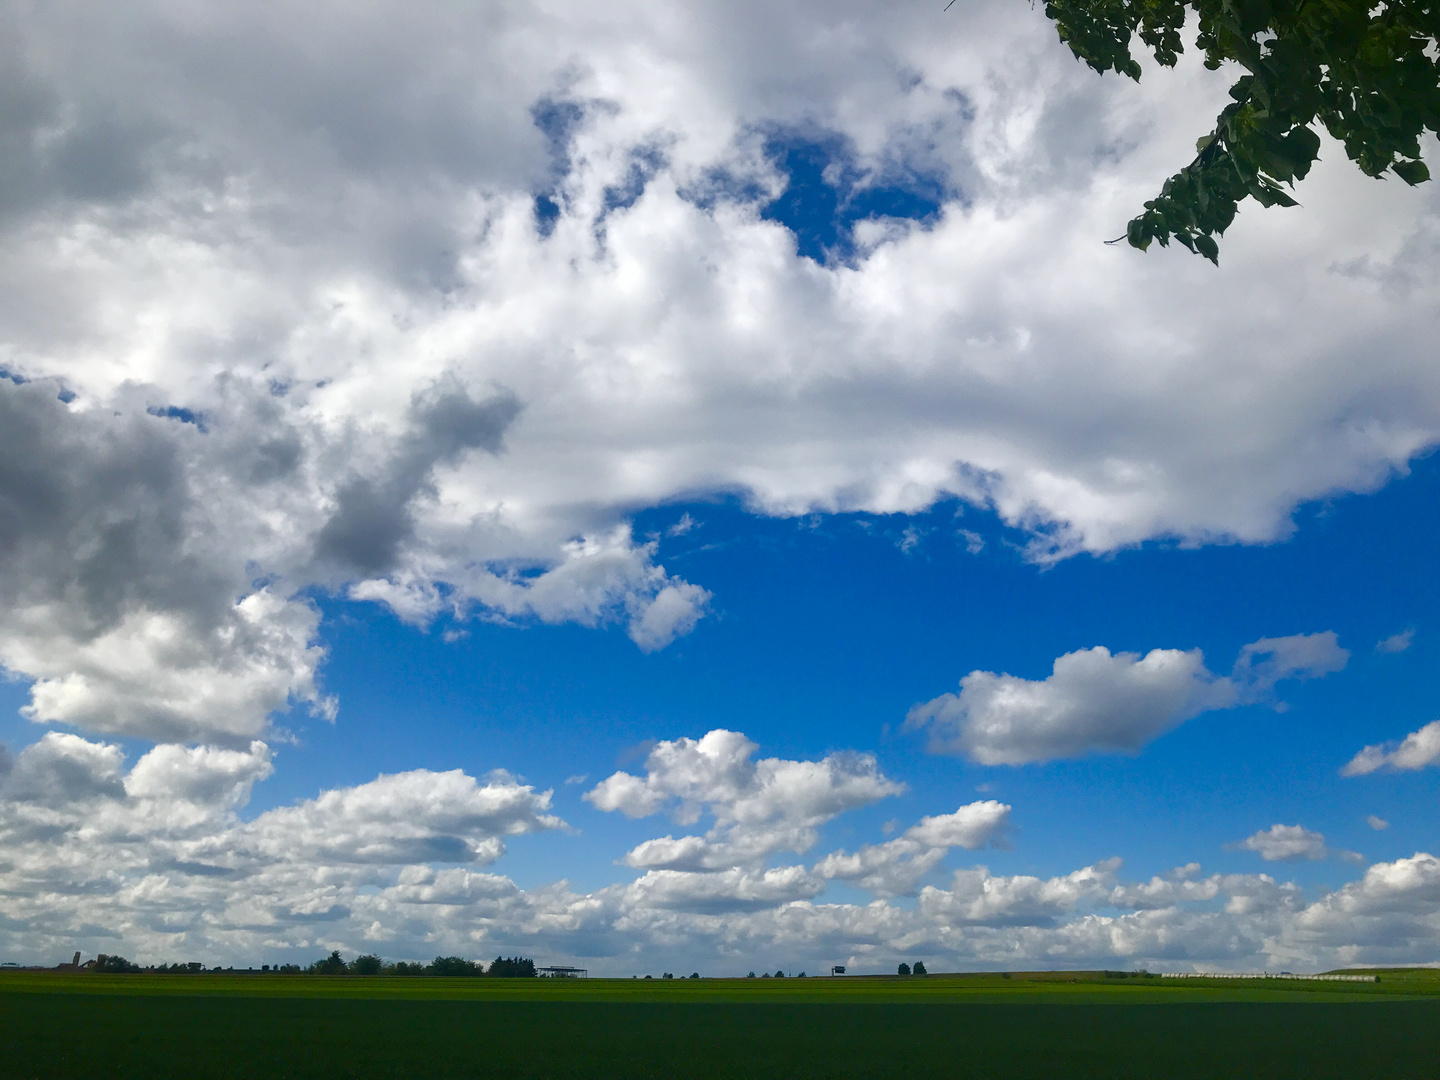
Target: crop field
1056 1027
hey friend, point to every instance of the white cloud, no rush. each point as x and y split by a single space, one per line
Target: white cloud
1396 643
1286 843
1092 701
63 770
409 390
978 898
1390 915
895 867
1376 822
1263 663
153 676
759 807
199 774
1098 702
735 889
410 817
1415 751
155 863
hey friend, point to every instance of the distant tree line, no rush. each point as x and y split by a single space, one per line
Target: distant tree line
502 967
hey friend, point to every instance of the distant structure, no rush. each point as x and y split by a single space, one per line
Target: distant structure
1266 975
561 972
838 969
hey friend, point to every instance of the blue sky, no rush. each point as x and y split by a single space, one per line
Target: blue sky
823 634
706 500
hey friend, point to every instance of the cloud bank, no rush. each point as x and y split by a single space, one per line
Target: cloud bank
429 312
156 861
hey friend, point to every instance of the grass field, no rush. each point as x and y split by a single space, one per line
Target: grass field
220 1026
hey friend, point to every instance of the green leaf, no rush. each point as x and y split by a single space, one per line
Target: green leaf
1368 72
1412 172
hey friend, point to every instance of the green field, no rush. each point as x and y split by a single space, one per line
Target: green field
1054 1027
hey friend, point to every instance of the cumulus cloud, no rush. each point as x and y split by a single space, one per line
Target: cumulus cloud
122 602
199 774
759 807
426 325
1376 822
895 867
157 862
412 817
1392 914
1415 751
160 855
735 889
1098 702
978 898
1286 843
64 770
430 323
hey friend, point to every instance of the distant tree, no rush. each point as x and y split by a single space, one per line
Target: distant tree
369 964
333 964
402 968
115 965
903 969
751 975
289 969
694 974
513 967
919 968
779 974
764 974
801 975
1368 72
452 966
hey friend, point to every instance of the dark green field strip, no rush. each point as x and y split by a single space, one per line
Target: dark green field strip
933 990
59 1036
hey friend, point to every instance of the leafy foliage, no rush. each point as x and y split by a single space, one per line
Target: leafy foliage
334 964
514 967
919 968
453 965
115 965
368 964
903 969
1367 70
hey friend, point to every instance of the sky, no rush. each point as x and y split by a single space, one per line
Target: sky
691 489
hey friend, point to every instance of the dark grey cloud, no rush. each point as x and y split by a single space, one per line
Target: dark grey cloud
92 510
125 593
372 518
63 770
